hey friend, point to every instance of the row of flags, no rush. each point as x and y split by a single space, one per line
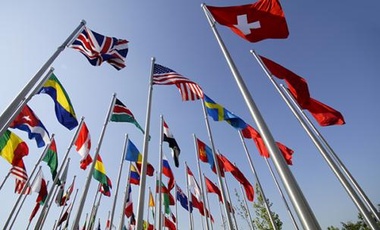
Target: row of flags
253 22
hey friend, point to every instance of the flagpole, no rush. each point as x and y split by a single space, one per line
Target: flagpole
93 207
9 111
330 161
155 204
60 170
5 179
54 195
147 214
160 173
202 182
218 170
246 207
91 170
176 207
189 197
258 182
208 205
27 182
300 203
229 200
96 209
282 194
118 180
221 215
140 206
126 197
64 202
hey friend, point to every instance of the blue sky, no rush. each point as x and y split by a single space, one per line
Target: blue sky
333 46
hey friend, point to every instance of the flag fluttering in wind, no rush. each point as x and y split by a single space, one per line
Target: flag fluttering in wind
51 159
100 175
128 211
219 113
239 176
298 87
183 200
61 190
64 110
168 137
83 146
12 147
38 186
66 196
134 155
98 48
134 177
120 113
167 171
189 90
261 20
169 224
28 121
212 188
18 170
193 183
65 215
205 155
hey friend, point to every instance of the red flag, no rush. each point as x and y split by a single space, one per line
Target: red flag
169 224
197 204
239 176
149 169
39 186
254 22
250 132
211 187
166 170
83 146
166 191
298 87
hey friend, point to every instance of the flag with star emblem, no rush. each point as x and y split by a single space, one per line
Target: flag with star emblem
254 22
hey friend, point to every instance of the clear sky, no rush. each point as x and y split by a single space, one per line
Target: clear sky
333 46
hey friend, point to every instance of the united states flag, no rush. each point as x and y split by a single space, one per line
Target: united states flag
98 48
18 170
164 76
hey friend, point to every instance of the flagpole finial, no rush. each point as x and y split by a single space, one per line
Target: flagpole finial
83 22
153 59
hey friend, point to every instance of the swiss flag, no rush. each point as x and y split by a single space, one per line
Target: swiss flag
254 22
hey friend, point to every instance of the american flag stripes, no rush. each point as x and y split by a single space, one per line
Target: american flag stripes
98 48
164 76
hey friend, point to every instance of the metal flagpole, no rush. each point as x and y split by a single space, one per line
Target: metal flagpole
50 192
5 179
118 180
93 208
96 210
9 111
176 208
27 182
208 205
218 170
147 214
140 206
221 215
246 207
258 182
188 198
230 201
64 202
282 195
91 170
343 180
160 174
126 197
202 183
300 203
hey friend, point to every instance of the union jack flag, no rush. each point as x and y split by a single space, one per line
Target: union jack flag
164 76
98 48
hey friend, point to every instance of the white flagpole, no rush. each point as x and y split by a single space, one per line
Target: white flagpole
282 194
176 208
300 203
218 170
258 182
91 170
147 214
96 210
50 192
93 208
160 173
140 206
7 114
208 205
202 183
229 200
27 183
188 198
126 196
246 207
118 180
330 161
